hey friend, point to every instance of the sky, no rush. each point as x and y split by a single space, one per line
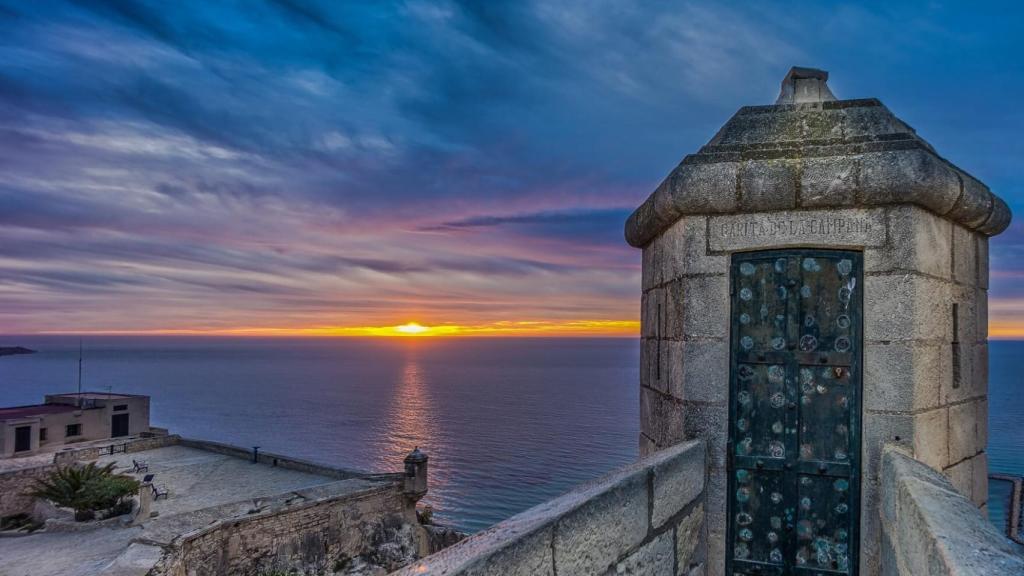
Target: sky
303 167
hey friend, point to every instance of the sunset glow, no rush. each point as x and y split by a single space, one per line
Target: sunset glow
412 328
600 328
200 168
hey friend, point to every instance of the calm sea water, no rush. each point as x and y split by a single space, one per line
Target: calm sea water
508 423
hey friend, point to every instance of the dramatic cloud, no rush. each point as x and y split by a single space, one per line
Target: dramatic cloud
292 164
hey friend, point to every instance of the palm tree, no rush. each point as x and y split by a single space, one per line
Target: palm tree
84 489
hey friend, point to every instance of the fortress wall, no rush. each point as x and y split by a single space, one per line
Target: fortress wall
929 527
317 536
643 519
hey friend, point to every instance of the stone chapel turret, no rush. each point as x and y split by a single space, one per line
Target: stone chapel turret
814 285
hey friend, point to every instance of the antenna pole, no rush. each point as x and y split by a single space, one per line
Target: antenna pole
79 372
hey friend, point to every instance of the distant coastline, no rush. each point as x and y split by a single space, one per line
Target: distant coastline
12 350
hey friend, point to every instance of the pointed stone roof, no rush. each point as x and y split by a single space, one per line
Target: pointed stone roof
810 150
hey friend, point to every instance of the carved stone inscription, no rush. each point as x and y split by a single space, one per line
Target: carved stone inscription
827 228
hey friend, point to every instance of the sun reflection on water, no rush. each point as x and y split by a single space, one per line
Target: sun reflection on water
413 419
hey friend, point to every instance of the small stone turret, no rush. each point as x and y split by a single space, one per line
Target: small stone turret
415 475
815 286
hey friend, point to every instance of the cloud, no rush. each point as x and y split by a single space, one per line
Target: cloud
294 161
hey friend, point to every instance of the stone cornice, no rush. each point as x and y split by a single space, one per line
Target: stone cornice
832 154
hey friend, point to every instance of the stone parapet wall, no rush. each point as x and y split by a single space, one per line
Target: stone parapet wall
644 519
127 445
314 537
273 459
928 527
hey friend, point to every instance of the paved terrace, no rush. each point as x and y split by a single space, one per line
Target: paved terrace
203 487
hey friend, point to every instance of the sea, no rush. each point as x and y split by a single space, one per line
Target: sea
507 422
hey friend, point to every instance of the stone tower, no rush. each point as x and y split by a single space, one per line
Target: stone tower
814 285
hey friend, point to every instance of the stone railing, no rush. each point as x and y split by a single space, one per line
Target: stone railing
645 518
930 528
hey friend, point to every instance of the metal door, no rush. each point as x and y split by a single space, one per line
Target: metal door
22 438
794 415
118 425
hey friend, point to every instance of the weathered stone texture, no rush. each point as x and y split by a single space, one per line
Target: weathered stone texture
961 476
982 246
930 528
829 182
590 538
709 423
965 254
974 205
918 242
979 487
931 444
963 431
647 446
682 250
675 483
652 559
905 376
690 377
768 185
705 306
661 417
906 307
908 176
688 537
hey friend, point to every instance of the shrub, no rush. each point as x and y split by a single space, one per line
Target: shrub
86 489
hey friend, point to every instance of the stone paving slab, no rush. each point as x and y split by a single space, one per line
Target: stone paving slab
197 479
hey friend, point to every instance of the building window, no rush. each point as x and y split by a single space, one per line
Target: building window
120 407
73 430
42 434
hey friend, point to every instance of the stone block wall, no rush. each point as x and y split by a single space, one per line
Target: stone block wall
313 537
644 519
925 341
929 527
15 486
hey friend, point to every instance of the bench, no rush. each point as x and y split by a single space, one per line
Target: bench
159 492
140 465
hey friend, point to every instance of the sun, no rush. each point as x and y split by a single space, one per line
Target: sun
412 328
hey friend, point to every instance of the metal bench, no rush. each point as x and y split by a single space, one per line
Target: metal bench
159 492
140 465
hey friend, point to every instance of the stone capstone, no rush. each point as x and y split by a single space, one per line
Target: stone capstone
819 153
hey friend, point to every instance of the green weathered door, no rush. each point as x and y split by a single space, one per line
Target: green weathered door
794 415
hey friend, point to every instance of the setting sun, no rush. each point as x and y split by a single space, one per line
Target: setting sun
412 328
